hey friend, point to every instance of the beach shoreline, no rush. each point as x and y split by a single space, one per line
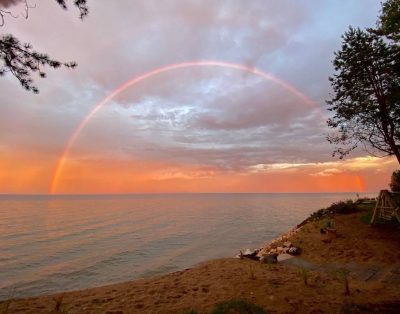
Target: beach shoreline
274 287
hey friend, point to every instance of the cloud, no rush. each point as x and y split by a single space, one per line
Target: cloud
196 122
327 172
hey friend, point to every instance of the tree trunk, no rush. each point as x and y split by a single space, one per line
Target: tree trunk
388 126
396 152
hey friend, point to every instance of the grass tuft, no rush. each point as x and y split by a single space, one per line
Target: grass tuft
343 275
5 305
304 275
251 271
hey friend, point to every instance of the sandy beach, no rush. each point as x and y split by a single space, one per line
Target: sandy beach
370 256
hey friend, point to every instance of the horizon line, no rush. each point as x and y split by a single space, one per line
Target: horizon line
176 193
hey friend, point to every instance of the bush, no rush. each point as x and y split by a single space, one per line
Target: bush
395 181
237 306
341 207
319 214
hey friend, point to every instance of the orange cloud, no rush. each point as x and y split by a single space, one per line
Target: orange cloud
126 176
28 172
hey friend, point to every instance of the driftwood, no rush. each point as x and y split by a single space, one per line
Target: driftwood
387 207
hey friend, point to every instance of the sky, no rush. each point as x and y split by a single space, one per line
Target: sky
246 113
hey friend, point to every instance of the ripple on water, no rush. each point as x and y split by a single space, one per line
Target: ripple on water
50 244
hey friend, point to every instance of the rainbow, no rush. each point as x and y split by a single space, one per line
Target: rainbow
147 75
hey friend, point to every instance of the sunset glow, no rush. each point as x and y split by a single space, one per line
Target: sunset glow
136 80
246 113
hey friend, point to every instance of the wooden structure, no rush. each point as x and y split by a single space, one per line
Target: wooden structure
387 206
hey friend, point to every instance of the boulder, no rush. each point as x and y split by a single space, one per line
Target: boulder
294 251
269 259
249 254
287 244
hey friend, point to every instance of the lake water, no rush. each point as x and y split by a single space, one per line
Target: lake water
57 243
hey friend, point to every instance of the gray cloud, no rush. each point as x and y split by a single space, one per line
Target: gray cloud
205 116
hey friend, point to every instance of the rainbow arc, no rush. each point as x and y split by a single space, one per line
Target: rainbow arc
137 79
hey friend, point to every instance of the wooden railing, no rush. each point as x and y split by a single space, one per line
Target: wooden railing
387 206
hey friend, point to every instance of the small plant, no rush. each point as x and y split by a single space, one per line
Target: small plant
237 306
304 275
251 271
395 181
329 224
5 306
343 275
59 306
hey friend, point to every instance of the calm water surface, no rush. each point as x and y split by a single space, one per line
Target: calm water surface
57 243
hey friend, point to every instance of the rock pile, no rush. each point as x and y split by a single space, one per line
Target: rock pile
281 245
270 252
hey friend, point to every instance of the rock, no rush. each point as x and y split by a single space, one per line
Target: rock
284 257
273 245
269 259
249 254
287 244
279 250
294 251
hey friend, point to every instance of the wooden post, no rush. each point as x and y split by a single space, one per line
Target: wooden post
378 201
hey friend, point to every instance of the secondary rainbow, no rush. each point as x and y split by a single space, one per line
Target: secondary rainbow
147 75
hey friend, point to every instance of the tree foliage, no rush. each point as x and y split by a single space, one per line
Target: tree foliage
395 181
19 59
366 95
389 20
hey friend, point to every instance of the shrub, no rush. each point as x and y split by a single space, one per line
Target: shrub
395 181
343 207
237 306
319 214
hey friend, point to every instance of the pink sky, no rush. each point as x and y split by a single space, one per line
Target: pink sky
204 129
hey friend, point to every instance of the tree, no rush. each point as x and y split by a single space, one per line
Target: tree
395 181
366 95
20 59
389 20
